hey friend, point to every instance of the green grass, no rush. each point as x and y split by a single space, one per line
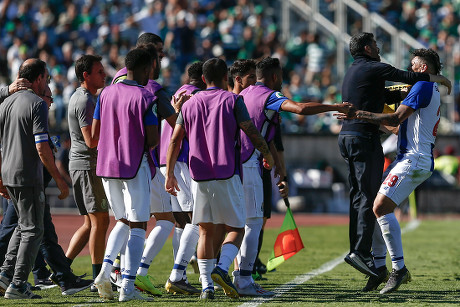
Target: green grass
432 254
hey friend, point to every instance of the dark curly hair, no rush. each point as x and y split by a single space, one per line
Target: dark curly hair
430 57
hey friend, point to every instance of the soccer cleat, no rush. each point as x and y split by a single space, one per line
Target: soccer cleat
20 292
77 285
115 278
4 283
397 277
207 294
133 295
374 282
194 263
44 283
223 279
259 267
144 283
364 265
253 289
104 287
181 287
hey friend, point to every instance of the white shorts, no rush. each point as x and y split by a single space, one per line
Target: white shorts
219 202
253 190
160 200
183 202
129 198
401 178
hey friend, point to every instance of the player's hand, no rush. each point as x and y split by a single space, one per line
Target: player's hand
3 190
63 187
177 102
284 188
171 185
18 85
268 162
446 82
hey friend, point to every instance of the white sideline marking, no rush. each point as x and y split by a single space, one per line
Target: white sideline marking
300 279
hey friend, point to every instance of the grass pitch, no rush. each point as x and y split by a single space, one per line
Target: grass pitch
432 254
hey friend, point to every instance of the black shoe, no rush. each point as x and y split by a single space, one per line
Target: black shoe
181 286
374 282
397 277
363 264
72 287
259 267
44 283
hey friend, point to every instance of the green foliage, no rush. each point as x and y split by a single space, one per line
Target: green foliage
432 254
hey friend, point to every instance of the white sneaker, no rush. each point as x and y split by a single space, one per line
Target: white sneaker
133 295
104 287
253 289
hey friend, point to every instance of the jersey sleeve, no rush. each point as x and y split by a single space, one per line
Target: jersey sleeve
274 101
241 112
97 110
419 95
40 122
165 109
84 110
150 117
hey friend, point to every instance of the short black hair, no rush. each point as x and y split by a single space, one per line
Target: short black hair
85 63
267 66
151 49
195 71
214 70
430 57
359 41
241 68
137 58
148 38
32 70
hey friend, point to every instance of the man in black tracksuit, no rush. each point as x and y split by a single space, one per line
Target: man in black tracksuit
359 141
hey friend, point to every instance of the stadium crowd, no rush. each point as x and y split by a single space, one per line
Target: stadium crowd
60 31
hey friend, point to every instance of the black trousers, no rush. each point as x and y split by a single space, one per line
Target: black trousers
364 157
50 250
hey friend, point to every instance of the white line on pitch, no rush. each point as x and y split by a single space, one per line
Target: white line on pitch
328 266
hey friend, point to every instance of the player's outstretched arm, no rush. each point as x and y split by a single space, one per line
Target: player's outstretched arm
310 108
442 80
388 119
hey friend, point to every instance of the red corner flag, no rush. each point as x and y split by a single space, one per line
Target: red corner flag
287 244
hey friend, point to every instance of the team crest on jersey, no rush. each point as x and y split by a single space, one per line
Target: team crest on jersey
279 95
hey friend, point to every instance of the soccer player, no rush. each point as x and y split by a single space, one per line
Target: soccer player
359 141
186 234
418 118
88 190
125 112
211 118
24 136
160 203
264 102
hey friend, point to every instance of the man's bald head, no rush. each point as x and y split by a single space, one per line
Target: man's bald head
31 69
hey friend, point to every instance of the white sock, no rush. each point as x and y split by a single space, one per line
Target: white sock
227 254
206 266
154 244
176 240
392 235
117 238
123 257
186 250
133 255
249 246
379 248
